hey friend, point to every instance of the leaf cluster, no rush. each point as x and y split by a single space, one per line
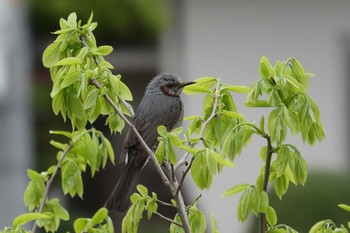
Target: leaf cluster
85 148
75 61
284 88
216 129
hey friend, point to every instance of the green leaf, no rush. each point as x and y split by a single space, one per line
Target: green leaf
58 145
207 82
243 206
318 226
197 220
109 148
175 228
27 217
116 124
104 50
196 89
99 216
232 114
71 178
236 189
200 172
344 207
142 190
162 131
80 225
265 68
51 55
271 216
258 104
262 124
70 79
124 92
63 133
160 152
69 61
91 99
214 224
238 89
72 19
281 185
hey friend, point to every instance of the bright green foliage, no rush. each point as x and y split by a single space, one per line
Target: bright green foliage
205 165
56 213
140 202
167 141
100 223
289 166
23 219
85 148
90 148
196 220
327 226
216 130
285 88
281 228
75 61
253 200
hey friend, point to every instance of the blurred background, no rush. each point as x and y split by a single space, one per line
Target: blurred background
193 38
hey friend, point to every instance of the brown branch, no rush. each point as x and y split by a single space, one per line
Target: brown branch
49 183
269 151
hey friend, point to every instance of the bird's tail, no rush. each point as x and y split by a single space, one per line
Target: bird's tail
119 199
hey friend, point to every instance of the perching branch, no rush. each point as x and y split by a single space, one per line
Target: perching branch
49 183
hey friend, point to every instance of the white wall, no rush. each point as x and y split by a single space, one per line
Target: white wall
227 39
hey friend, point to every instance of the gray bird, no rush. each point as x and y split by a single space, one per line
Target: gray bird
160 105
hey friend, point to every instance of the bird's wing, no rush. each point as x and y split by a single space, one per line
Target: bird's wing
147 119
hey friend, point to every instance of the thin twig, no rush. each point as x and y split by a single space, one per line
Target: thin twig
168 219
195 201
165 203
182 161
184 175
50 181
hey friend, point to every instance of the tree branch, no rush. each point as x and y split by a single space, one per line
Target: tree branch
49 183
269 151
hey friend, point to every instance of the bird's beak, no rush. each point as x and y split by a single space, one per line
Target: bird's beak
187 83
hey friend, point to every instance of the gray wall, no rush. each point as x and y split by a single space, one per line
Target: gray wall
15 128
227 39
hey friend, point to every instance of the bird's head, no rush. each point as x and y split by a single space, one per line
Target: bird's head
170 85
